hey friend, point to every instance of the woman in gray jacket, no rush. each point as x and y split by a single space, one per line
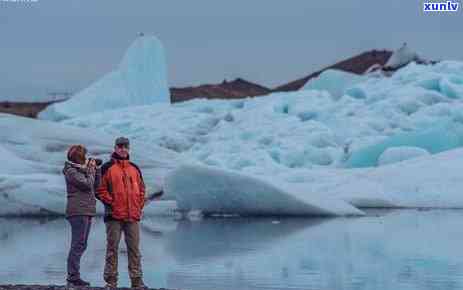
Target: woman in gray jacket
82 177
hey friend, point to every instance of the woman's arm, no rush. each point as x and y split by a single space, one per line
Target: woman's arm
79 179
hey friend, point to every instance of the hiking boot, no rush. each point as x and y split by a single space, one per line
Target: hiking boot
137 284
111 284
77 283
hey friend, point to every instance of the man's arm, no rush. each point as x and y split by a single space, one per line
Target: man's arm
142 189
141 185
102 192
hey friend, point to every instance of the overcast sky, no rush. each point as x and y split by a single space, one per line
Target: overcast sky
54 45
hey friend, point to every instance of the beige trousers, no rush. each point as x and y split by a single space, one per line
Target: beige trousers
114 230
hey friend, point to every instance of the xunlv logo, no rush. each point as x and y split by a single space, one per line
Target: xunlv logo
448 6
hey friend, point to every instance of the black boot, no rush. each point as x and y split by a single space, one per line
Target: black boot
111 284
137 284
77 283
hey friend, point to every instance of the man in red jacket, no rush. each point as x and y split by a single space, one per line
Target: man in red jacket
122 191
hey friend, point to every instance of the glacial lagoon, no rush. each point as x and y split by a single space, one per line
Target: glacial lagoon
387 249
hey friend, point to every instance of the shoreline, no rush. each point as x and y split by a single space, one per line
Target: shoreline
60 287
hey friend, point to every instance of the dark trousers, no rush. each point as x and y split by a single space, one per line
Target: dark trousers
114 230
80 228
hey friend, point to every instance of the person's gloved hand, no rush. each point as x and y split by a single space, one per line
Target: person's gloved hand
91 167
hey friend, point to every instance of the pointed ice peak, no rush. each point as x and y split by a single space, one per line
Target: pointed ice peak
141 79
143 68
401 57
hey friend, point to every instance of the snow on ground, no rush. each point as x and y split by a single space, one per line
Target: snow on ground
33 154
139 80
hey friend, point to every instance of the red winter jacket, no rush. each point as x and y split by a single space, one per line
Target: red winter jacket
121 189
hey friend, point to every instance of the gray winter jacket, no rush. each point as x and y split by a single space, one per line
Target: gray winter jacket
81 185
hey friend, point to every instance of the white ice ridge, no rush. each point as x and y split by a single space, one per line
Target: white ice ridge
141 79
215 191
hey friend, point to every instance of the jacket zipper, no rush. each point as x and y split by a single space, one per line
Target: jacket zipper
128 195
124 174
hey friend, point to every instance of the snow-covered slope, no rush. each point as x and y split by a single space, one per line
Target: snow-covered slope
140 80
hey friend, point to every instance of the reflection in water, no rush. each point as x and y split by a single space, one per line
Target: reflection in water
212 238
386 250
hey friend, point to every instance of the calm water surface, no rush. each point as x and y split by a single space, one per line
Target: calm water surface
406 249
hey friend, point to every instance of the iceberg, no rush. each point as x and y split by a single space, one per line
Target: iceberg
139 80
213 191
298 130
33 153
431 181
296 153
403 56
400 153
443 137
333 81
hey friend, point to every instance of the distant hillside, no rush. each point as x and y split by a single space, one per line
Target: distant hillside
26 109
236 89
357 64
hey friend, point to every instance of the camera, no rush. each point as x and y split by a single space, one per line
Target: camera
98 161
